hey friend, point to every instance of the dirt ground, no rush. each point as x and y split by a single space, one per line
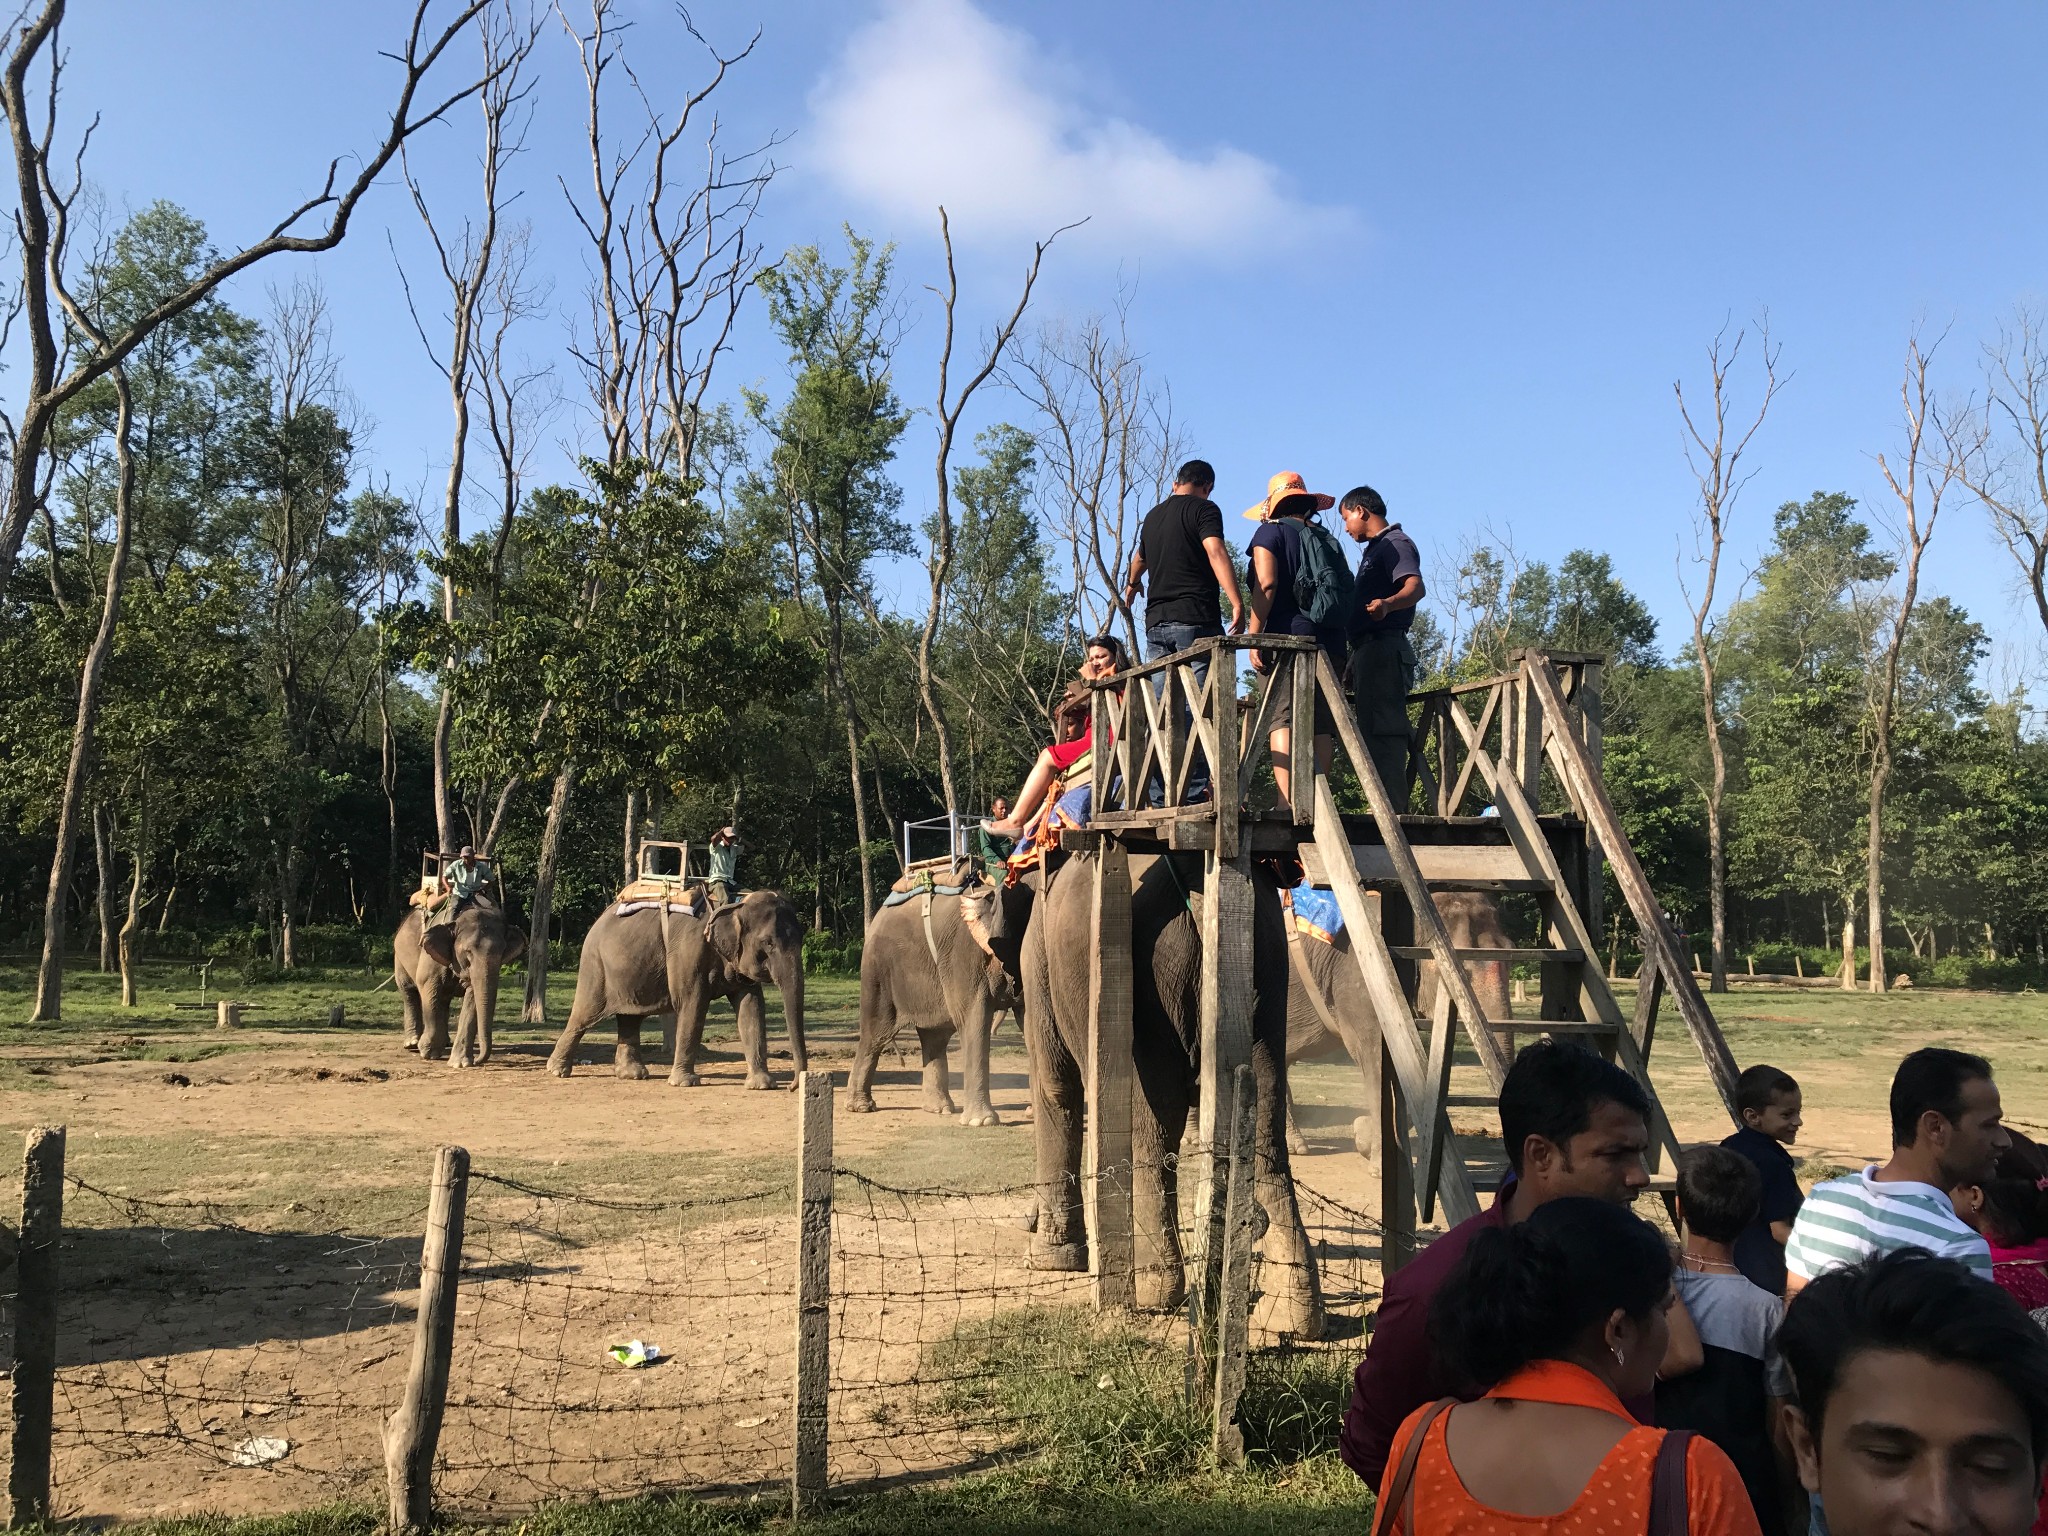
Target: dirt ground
240 1265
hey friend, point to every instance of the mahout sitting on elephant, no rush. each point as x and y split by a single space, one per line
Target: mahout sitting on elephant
942 957
436 962
1165 1037
664 957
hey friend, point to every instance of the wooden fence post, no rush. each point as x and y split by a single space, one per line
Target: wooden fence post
1226 1044
1111 1073
1234 1309
227 1015
813 1289
413 1432
35 1324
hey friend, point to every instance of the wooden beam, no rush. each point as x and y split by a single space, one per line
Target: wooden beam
1466 866
1226 783
1300 676
1226 1002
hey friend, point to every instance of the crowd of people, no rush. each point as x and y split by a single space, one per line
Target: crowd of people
1870 1358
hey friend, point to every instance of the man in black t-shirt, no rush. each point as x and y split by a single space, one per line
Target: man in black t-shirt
1383 661
1181 548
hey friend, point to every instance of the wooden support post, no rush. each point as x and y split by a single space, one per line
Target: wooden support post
35 1325
414 1430
227 1015
1301 740
337 1016
1173 734
1226 782
813 1289
1592 731
1112 1079
1226 1045
1234 1313
1397 1173
1526 747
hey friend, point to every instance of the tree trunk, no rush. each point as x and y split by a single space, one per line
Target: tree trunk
290 868
49 1007
851 715
447 838
103 858
131 930
631 850
1848 946
388 776
1874 861
542 912
1717 869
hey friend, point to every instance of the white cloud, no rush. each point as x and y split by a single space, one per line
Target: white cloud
933 102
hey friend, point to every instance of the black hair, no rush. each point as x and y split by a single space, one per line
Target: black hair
1552 1090
1912 1302
2015 1204
1931 1078
1531 1291
1363 499
1760 1084
1718 1192
1111 644
1195 472
1294 504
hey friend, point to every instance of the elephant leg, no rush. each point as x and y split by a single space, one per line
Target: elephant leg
1061 1239
1297 1144
1287 1247
977 1024
1159 1119
938 1096
582 1014
626 1062
462 1052
434 1041
690 1008
753 1027
877 1029
668 1037
409 997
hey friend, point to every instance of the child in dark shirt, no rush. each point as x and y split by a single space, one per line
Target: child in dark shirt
1729 1399
1769 1102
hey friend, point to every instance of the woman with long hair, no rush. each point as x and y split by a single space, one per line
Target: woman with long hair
1547 1326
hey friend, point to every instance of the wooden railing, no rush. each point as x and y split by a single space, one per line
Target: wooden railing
1510 726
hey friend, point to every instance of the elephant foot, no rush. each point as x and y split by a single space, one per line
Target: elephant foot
760 1081
1297 1144
630 1071
1365 1136
979 1115
412 1043
861 1104
433 1053
1160 1290
683 1077
1067 1256
1305 1320
941 1104
561 1066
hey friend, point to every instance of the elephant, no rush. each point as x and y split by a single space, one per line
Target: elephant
649 962
1472 919
1165 1037
955 977
434 965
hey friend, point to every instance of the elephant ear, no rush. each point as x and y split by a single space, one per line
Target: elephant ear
515 945
723 932
439 942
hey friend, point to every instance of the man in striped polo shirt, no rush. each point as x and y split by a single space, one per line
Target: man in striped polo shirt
1946 1131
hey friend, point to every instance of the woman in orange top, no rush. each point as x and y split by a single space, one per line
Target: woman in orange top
1555 1320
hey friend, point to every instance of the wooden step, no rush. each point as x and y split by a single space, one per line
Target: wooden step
1444 866
1510 956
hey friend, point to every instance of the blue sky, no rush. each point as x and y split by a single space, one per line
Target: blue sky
1458 251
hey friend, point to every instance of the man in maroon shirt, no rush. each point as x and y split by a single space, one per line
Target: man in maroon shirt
1572 1124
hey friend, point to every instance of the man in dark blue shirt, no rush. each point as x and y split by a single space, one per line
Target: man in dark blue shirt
1383 662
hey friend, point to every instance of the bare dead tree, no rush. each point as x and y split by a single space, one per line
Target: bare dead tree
2001 451
1921 477
465 252
1109 439
1714 449
40 230
671 262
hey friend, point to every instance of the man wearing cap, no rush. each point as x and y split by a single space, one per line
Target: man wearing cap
463 879
1383 662
1181 547
1276 560
724 881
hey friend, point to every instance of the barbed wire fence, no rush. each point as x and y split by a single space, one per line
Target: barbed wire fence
227 1355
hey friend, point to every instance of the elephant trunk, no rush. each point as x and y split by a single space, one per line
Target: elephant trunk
789 980
483 1003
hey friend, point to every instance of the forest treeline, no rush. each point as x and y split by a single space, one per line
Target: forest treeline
246 682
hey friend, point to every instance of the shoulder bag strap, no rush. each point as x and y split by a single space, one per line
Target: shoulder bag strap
1400 1491
1670 1503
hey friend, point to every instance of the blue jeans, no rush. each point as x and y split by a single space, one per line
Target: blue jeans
1161 641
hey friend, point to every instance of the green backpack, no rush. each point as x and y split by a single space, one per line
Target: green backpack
1322 576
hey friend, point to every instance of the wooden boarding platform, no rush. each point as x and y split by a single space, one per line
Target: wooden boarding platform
1524 748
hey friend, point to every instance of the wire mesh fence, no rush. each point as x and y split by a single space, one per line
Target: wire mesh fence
235 1357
